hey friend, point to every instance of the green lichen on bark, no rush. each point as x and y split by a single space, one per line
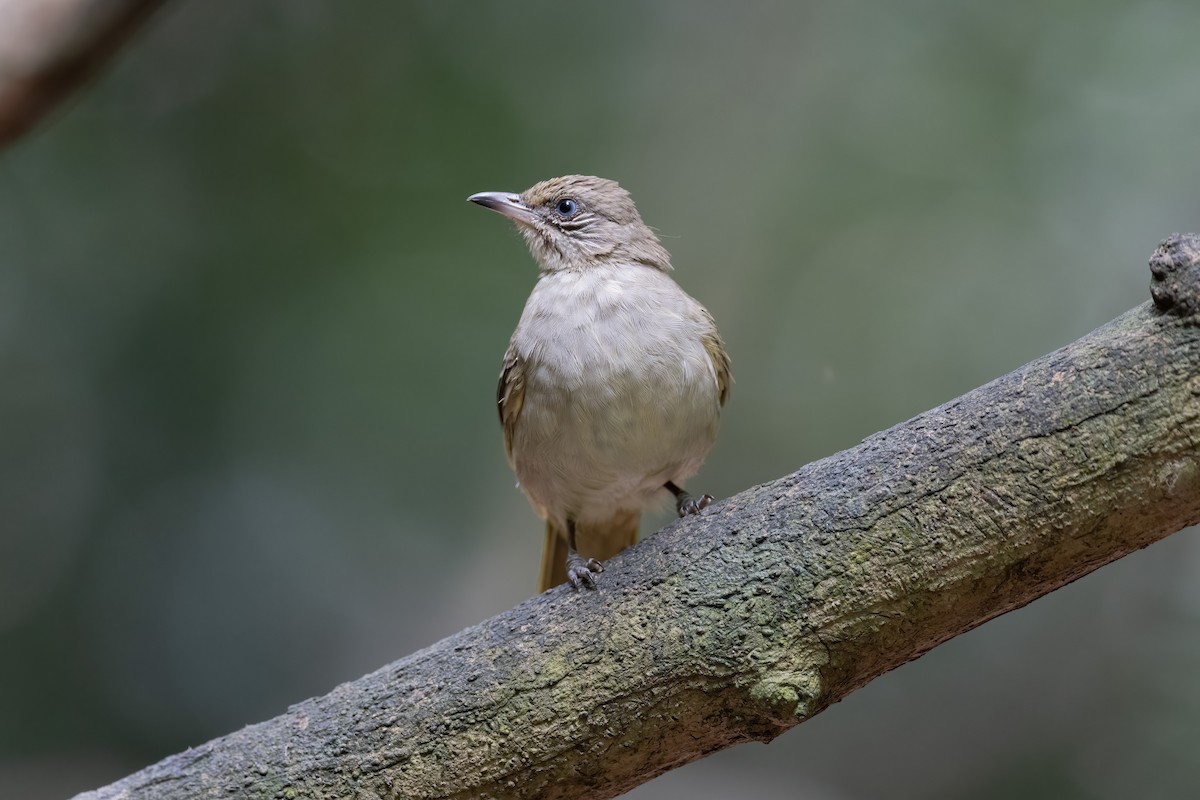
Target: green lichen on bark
763 611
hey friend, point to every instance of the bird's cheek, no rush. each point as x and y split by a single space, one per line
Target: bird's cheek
596 248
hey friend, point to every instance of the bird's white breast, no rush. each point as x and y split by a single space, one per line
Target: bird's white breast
620 393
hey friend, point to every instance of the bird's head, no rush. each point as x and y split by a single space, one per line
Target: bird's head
579 221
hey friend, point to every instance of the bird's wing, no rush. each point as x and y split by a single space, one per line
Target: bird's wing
510 396
719 357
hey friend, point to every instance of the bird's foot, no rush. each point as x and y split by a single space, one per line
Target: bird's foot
582 571
686 504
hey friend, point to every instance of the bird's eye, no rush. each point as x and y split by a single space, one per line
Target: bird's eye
566 207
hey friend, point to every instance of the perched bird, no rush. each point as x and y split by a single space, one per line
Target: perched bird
614 379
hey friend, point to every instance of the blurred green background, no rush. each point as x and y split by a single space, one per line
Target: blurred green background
250 332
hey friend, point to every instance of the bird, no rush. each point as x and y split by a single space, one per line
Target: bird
613 383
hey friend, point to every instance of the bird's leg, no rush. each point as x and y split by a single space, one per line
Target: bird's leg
686 504
581 571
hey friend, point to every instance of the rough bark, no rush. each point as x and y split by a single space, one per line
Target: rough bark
758 614
49 47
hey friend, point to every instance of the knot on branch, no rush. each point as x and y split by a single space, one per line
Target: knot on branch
788 695
1175 275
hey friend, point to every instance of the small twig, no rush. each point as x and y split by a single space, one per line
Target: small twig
48 48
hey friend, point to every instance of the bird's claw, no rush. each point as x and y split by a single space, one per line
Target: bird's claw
582 572
693 505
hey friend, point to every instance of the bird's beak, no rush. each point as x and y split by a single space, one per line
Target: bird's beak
506 203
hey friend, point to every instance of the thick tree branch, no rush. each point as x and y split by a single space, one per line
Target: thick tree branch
774 604
49 47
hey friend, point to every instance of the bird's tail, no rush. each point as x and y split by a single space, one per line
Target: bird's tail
601 542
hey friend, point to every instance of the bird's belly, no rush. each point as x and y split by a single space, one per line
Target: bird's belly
604 429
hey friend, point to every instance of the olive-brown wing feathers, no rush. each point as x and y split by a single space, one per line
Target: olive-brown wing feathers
510 396
720 359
